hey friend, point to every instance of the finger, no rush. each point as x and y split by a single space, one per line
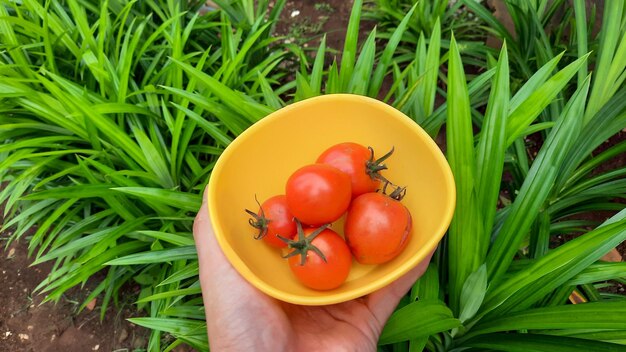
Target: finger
216 272
210 254
382 302
202 228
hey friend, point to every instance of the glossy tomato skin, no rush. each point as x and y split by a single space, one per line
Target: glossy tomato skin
318 194
317 273
280 221
377 228
352 158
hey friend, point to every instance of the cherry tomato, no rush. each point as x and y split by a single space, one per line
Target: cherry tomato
320 259
318 194
358 162
272 220
377 228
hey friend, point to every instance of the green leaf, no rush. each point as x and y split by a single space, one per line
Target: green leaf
539 343
362 74
154 159
191 312
597 315
175 239
417 319
333 85
431 71
525 287
173 293
211 128
28 212
599 272
581 36
73 248
427 287
9 39
303 89
229 118
609 120
433 123
386 58
611 62
234 100
177 199
598 159
236 62
492 143
166 255
616 336
530 108
78 191
491 20
177 327
465 236
535 82
188 271
348 56
537 186
473 293
271 98
318 67
72 274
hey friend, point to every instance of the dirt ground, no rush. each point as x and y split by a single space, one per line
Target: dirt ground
304 19
27 325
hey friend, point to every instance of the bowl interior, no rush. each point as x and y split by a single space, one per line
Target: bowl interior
261 159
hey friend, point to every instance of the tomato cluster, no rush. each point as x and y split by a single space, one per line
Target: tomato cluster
345 179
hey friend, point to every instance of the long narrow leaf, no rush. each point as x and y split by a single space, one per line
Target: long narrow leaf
166 255
539 343
464 237
537 186
418 319
492 144
176 199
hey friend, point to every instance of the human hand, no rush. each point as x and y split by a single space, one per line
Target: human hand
242 318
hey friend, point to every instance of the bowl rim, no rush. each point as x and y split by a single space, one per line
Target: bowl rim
331 297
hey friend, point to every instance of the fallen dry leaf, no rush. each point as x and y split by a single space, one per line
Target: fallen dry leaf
576 298
612 256
91 305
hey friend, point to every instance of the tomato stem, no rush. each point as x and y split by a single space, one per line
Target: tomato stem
303 244
398 193
374 167
259 222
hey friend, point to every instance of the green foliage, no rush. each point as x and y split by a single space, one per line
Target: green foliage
527 281
113 113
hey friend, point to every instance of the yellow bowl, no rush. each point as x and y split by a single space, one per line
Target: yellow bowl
261 159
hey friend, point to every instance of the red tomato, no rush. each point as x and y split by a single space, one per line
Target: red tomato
377 228
274 219
321 260
318 194
358 162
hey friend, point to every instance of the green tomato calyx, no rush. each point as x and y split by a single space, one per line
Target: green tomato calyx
303 244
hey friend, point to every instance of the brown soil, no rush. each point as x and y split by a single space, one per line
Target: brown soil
304 23
28 325
304 20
